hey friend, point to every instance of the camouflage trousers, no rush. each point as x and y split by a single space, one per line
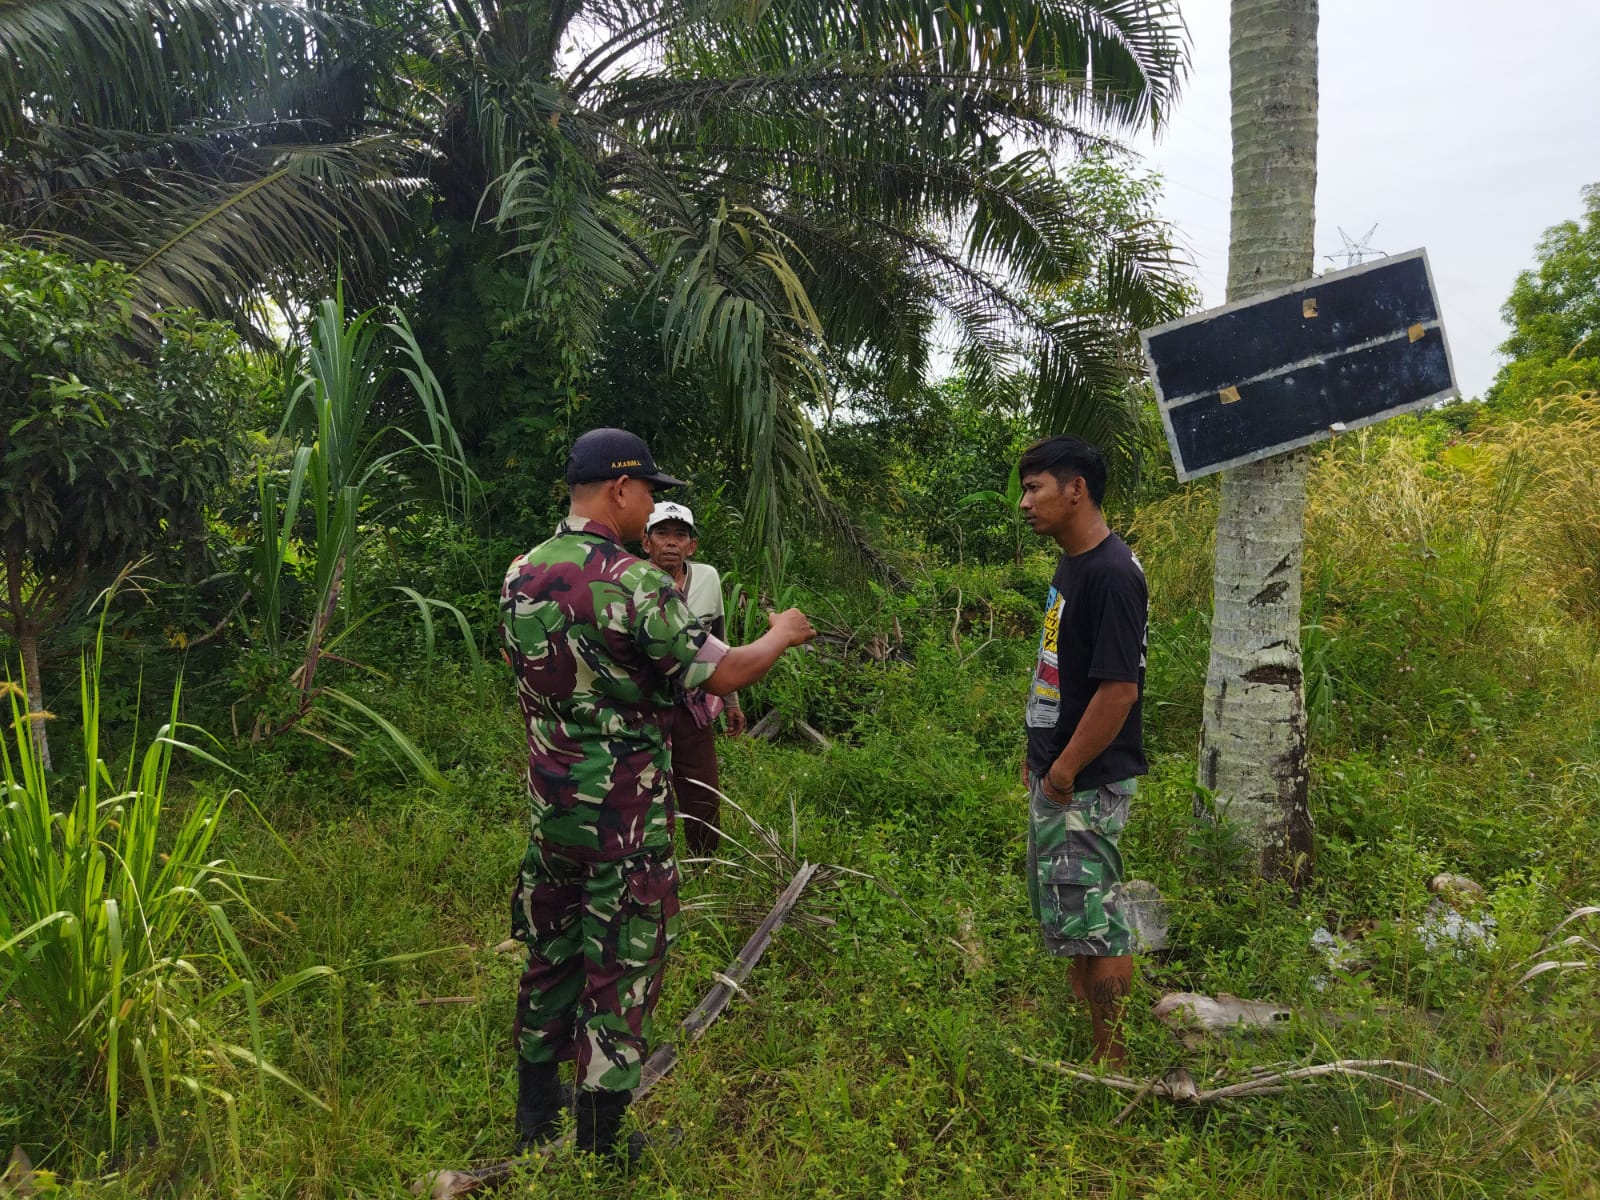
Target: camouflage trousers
597 935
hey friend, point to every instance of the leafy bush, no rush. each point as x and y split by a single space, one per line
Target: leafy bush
105 456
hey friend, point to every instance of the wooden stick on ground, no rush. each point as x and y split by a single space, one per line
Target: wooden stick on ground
766 727
1177 1084
813 735
1134 1103
441 1185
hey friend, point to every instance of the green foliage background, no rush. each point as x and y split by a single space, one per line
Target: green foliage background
360 867
1554 314
1456 727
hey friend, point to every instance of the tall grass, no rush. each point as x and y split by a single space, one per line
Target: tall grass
1451 634
1491 538
115 937
1562 514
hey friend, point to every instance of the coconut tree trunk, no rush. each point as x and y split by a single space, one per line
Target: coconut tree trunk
1253 737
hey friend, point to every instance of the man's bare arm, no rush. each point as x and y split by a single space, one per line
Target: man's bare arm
1108 710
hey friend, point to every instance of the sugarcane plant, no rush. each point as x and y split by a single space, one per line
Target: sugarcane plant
316 513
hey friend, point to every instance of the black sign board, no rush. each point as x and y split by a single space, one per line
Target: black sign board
1294 366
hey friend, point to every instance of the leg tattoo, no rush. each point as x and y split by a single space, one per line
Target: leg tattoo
1109 993
1109 980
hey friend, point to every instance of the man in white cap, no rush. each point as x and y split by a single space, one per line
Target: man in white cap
670 542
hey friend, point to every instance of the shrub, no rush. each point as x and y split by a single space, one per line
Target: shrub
1563 509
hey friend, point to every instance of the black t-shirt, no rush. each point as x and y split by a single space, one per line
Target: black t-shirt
1094 630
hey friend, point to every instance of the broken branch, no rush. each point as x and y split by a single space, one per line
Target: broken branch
442 1185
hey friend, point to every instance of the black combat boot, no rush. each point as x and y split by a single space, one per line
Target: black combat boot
600 1124
600 1120
538 1103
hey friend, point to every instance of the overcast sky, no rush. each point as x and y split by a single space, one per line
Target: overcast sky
1463 126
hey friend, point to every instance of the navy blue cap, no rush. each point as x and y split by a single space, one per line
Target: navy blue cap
611 454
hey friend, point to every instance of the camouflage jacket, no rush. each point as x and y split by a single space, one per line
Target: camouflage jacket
598 638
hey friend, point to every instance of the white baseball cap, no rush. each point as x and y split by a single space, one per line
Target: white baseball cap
669 510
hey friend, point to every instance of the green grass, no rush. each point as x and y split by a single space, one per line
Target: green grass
879 1056
118 948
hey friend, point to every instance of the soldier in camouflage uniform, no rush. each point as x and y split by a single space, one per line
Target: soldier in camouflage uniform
598 639
1085 737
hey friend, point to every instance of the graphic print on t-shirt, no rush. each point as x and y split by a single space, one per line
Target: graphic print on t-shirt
1096 620
1144 632
1044 696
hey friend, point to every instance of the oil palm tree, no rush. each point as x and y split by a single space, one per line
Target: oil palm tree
220 150
794 185
789 184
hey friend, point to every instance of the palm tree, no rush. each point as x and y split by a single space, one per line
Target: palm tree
1253 737
790 184
801 184
219 150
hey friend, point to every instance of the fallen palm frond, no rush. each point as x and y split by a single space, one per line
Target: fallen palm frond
1178 1085
693 1026
439 1185
765 860
782 862
1571 941
774 723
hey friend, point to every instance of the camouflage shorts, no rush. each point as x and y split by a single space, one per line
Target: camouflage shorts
1075 869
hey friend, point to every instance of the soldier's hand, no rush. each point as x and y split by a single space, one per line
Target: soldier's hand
792 625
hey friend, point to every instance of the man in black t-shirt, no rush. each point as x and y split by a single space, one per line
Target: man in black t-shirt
1085 745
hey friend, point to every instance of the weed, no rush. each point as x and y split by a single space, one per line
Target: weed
1218 846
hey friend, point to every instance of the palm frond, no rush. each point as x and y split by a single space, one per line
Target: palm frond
737 304
1121 60
213 241
219 149
113 63
577 257
872 305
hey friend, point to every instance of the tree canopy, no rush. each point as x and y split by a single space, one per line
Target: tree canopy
780 189
1554 314
104 457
